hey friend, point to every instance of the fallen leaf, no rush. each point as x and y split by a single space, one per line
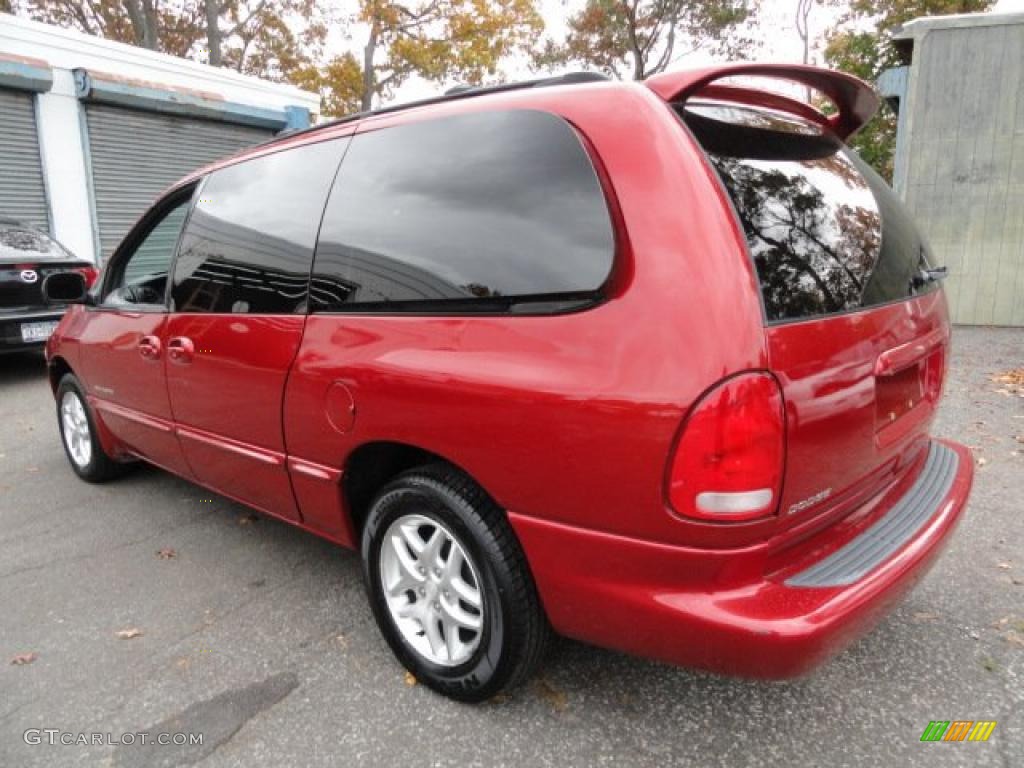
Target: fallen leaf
31 469
248 519
1014 638
24 658
410 679
128 634
552 695
1014 377
921 616
1004 566
166 553
183 663
989 664
342 641
982 461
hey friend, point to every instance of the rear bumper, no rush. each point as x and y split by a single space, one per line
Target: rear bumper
10 327
717 610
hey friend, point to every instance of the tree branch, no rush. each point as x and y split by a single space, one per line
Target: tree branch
245 22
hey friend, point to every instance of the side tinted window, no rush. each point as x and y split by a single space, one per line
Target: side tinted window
141 278
468 213
826 233
249 243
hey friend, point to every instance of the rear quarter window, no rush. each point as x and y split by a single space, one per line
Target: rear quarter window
826 233
483 212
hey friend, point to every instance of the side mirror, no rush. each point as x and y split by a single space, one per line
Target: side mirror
65 288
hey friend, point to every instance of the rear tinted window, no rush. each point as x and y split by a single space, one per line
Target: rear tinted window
19 243
471 213
826 233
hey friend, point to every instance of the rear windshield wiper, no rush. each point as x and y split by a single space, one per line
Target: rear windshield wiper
927 275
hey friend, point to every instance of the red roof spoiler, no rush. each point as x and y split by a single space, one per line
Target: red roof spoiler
855 100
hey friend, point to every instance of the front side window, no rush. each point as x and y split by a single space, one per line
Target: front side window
141 277
478 212
249 243
826 233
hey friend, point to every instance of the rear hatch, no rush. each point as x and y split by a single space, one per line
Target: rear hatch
855 323
27 257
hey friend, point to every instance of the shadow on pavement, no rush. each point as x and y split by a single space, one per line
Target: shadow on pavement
17 367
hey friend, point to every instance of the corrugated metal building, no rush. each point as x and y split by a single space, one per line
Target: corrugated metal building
92 130
960 155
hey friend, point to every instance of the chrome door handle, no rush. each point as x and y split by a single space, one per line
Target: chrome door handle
149 347
181 350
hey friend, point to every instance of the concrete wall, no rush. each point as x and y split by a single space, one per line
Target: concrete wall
961 161
153 80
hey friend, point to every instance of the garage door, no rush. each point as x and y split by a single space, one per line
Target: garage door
22 192
136 155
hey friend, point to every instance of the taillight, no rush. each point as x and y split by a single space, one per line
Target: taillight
728 462
89 273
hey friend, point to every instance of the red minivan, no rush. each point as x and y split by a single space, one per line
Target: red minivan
651 365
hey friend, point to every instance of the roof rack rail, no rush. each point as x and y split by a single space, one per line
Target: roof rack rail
460 91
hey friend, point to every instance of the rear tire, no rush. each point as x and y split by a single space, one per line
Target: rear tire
450 587
78 434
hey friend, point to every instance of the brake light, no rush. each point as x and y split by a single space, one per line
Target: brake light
729 460
89 273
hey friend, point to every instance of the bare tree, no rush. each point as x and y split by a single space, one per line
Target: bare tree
803 14
145 24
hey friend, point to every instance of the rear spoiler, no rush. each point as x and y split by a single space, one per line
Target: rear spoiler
856 101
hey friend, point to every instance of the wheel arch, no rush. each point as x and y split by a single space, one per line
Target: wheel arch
56 369
372 465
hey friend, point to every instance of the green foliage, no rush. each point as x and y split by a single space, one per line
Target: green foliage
859 44
643 37
283 40
439 40
274 39
339 83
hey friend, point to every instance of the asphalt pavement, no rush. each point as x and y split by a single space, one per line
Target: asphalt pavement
150 605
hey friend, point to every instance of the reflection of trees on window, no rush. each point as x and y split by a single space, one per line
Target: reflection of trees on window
825 231
812 228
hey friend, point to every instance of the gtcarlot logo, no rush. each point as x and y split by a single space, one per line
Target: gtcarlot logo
51 736
958 730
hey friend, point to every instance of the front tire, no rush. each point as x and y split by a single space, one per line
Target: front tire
78 434
450 587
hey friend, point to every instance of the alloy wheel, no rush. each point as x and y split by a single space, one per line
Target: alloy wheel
432 589
77 436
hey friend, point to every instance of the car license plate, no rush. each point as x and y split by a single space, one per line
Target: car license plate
37 331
